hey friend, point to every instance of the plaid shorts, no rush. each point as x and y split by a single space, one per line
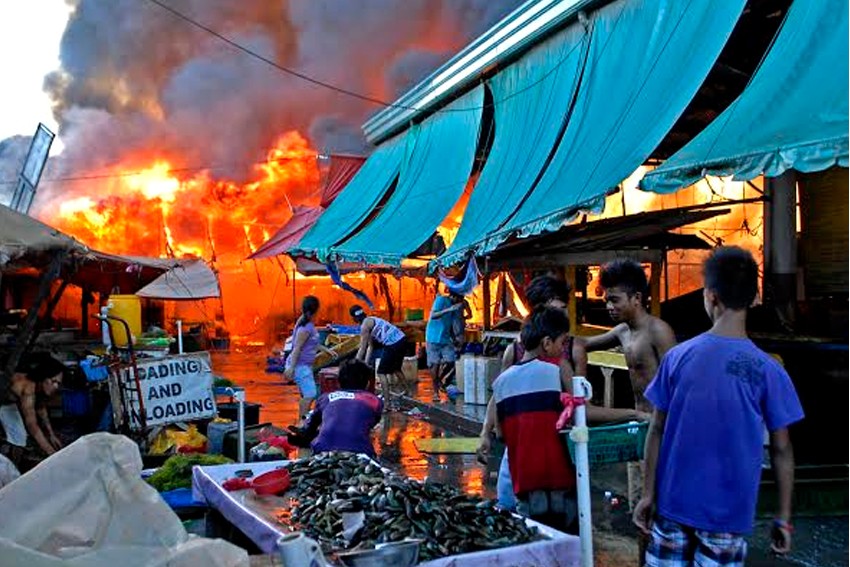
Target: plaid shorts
674 545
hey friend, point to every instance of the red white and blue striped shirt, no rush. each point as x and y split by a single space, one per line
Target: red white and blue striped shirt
528 403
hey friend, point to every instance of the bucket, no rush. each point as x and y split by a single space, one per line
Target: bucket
410 369
128 308
329 380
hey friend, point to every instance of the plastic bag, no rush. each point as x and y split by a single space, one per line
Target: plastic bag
189 441
8 471
87 505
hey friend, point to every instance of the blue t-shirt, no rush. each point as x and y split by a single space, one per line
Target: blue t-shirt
439 330
718 393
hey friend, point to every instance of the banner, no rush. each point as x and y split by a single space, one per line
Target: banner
175 388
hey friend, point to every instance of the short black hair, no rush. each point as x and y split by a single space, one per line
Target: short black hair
625 274
543 289
354 375
732 273
357 312
39 366
543 322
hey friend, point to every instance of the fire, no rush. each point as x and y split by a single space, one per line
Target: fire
156 182
153 205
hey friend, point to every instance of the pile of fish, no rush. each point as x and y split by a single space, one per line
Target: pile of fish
446 520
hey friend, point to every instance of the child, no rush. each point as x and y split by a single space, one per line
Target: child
305 345
343 420
713 395
545 291
643 338
528 402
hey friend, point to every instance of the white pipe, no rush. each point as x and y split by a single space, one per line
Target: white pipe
579 434
179 336
104 325
240 420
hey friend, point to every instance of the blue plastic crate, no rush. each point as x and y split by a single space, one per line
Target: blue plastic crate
613 443
75 403
94 372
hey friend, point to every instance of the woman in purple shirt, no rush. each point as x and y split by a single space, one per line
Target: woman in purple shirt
305 344
343 420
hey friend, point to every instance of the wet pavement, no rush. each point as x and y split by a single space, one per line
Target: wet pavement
821 542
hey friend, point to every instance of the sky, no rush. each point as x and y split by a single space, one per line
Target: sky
30 32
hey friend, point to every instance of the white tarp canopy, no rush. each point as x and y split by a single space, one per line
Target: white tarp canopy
186 279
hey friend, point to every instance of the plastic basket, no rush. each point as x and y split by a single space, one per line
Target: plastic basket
94 372
613 443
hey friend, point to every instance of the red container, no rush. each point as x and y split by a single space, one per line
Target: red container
329 379
273 482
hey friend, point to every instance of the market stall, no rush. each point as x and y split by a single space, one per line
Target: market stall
264 519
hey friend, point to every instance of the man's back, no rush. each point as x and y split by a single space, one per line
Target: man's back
347 418
718 393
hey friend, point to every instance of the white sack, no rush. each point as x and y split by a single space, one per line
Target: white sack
87 505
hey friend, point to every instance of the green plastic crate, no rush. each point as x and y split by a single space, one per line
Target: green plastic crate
613 443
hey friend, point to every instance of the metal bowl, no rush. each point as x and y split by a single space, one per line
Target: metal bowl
395 554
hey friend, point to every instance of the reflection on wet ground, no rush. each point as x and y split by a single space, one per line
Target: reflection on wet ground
393 438
821 542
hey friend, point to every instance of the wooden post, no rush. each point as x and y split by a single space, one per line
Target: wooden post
780 244
487 314
22 341
655 289
572 309
51 305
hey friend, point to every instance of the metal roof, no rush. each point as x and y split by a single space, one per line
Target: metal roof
513 35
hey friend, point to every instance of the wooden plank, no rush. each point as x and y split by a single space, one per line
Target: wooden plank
607 359
655 289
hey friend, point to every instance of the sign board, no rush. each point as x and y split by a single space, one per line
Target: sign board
33 166
175 388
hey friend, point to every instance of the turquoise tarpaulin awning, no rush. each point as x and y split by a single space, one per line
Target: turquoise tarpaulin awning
531 99
792 115
352 207
430 183
647 59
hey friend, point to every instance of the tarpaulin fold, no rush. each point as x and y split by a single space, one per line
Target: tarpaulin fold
341 170
647 59
290 234
431 182
531 99
357 200
792 115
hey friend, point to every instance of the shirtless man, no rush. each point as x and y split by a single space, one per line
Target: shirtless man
644 339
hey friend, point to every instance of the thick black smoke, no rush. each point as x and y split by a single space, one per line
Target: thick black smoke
134 77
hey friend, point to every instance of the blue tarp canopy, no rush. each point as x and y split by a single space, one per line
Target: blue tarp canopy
792 115
356 202
532 99
431 182
646 60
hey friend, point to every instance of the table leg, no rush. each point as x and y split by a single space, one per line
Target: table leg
608 373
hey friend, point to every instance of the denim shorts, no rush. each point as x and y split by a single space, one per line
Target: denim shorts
505 485
439 353
303 376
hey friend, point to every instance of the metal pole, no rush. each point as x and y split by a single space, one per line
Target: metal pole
239 396
179 336
579 434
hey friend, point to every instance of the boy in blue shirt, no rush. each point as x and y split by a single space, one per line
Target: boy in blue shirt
713 395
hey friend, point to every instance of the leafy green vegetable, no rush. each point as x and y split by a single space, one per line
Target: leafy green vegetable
220 382
176 472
